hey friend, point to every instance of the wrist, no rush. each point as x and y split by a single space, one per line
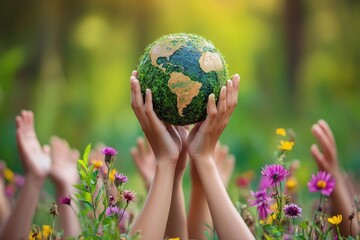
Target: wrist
34 179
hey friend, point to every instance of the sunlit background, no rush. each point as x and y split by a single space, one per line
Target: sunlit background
70 62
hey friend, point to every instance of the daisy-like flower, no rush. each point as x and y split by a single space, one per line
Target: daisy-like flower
46 231
97 164
112 210
286 145
8 174
112 175
292 210
321 182
275 173
335 220
120 179
128 196
109 153
262 203
281 132
65 200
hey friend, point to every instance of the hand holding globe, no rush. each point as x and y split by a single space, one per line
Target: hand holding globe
181 70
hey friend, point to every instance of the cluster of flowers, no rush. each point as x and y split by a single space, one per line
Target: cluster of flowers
12 181
278 213
101 201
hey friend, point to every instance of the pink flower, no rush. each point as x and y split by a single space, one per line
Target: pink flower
128 196
322 182
65 200
275 173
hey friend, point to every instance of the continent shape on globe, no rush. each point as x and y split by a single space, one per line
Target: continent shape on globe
187 65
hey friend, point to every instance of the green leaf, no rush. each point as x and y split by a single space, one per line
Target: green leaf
87 203
81 163
98 197
86 154
80 187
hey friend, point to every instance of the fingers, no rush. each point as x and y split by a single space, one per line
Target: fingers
326 129
318 157
327 147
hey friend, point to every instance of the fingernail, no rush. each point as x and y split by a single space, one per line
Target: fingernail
147 92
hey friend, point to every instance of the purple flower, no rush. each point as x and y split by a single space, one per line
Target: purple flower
321 182
275 173
109 151
128 196
109 154
262 202
65 200
10 190
292 210
265 183
19 180
120 179
112 210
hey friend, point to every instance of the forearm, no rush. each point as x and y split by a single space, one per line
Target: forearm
227 221
68 219
19 222
157 205
177 222
199 213
341 203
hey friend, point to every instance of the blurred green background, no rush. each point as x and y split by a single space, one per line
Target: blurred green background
70 62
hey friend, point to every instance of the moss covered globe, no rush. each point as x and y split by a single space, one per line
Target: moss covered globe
182 70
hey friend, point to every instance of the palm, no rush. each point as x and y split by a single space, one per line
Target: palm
63 170
36 160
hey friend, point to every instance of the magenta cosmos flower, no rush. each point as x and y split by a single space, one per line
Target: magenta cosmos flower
292 210
262 203
275 173
322 182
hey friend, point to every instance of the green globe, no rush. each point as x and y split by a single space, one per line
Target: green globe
182 70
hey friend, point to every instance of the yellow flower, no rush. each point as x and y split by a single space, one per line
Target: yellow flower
286 145
280 132
291 184
46 231
177 238
112 175
8 174
269 219
97 163
335 220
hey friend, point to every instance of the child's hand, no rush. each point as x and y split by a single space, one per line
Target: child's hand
204 136
63 171
224 162
327 159
164 139
145 161
35 159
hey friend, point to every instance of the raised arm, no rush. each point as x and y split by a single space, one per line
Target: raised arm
202 141
166 144
199 218
327 160
64 175
37 164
